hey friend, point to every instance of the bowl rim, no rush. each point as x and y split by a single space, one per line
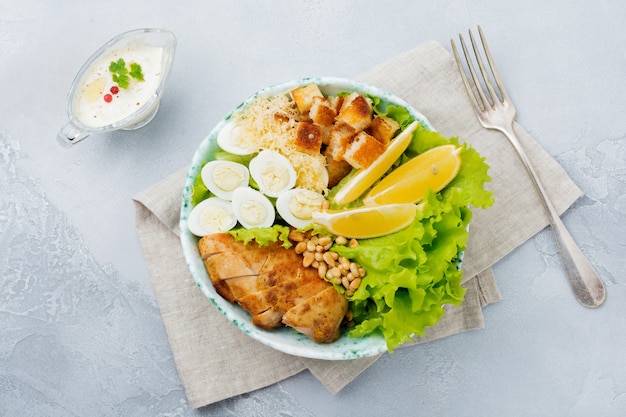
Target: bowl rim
283 339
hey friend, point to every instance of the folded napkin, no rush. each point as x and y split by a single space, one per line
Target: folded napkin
215 360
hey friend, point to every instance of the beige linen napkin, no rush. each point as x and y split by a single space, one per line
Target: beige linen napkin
215 360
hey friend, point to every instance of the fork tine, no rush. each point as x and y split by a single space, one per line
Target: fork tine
483 72
470 92
492 67
477 88
474 91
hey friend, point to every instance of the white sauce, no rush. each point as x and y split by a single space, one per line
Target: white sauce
89 105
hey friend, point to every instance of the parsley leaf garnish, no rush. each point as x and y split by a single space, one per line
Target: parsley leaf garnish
135 71
121 75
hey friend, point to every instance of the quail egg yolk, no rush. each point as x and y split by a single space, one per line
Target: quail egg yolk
275 177
302 205
227 178
215 217
252 212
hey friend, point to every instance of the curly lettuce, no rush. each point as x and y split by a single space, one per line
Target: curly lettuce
413 273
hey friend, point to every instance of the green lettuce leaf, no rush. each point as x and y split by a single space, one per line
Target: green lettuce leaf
263 235
412 274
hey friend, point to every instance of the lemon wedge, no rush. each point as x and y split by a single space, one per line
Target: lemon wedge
433 169
364 178
366 222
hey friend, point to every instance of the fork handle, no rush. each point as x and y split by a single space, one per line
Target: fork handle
583 278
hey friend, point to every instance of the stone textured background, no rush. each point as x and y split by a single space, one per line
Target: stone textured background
81 333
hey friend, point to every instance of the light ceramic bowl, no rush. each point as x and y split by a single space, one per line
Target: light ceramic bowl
283 339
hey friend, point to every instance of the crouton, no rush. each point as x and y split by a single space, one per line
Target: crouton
322 111
383 128
363 150
303 96
356 111
340 136
308 137
281 118
336 169
336 102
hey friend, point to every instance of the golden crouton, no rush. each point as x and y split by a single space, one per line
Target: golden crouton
383 128
322 111
356 111
363 150
308 137
340 136
336 102
303 96
336 169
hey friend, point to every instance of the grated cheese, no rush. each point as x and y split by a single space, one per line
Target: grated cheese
270 123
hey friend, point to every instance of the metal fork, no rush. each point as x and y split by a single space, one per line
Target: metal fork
497 112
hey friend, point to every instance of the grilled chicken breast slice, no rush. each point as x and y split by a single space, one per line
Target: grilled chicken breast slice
272 318
271 283
320 316
261 301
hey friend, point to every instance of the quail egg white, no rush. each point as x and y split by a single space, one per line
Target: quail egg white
212 215
295 206
272 172
252 208
232 139
222 177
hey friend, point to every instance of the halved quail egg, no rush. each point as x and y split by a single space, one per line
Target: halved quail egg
232 139
252 208
222 177
212 215
273 173
295 206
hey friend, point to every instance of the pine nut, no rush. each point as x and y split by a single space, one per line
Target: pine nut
296 236
310 246
324 240
308 259
355 284
354 243
328 258
341 240
321 270
300 247
345 283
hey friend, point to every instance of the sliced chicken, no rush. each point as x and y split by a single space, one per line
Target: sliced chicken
272 317
271 283
319 316
261 301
